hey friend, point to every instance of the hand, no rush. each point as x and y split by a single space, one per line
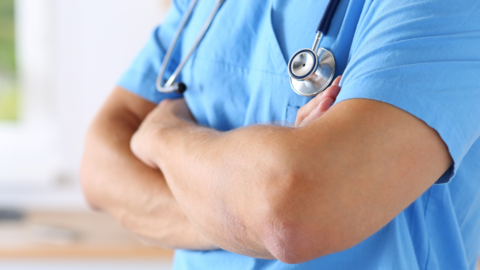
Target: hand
169 113
318 105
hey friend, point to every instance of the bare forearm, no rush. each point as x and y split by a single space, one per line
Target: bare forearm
226 204
269 190
231 173
115 181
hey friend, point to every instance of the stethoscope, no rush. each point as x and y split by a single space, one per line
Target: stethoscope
311 70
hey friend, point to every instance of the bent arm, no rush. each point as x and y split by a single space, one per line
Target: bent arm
115 181
296 194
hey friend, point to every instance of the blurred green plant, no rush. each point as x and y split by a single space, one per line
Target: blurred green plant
7 35
8 104
8 90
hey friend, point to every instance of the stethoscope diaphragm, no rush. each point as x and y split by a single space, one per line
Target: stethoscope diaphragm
311 70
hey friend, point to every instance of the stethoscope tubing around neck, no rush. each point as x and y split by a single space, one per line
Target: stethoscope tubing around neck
170 85
317 52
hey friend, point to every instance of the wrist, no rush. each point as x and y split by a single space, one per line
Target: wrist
176 140
166 138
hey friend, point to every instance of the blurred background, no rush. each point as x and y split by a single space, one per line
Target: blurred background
58 62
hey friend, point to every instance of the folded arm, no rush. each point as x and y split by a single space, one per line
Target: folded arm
115 181
295 194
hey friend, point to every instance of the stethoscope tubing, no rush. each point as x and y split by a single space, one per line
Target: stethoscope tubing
327 17
167 88
170 85
173 43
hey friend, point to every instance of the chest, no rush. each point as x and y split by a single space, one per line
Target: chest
238 74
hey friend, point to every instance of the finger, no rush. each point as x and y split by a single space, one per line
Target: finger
312 104
337 80
324 105
318 111
331 91
307 108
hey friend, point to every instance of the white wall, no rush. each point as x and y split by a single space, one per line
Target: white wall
95 41
70 55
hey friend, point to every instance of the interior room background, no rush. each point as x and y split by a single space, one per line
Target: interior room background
58 62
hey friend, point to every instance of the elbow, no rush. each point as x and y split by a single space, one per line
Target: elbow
89 179
281 241
287 242
88 187
281 230
296 229
292 245
280 225
90 173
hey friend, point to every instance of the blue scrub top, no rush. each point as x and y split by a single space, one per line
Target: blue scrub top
420 56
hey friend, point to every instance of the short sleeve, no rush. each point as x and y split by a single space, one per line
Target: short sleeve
141 76
424 58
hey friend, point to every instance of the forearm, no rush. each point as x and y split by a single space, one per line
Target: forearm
115 181
222 183
298 193
294 193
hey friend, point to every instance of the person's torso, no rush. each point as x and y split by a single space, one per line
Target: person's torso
238 76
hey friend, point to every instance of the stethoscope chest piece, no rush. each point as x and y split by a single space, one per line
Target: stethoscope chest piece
311 70
311 73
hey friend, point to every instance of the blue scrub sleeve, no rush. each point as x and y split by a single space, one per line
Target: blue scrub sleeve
140 78
422 57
